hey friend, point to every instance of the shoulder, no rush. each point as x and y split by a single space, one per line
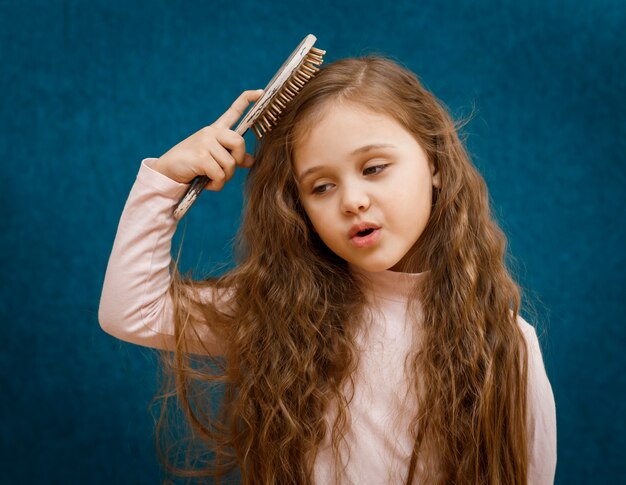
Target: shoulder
527 329
541 417
530 335
535 356
541 398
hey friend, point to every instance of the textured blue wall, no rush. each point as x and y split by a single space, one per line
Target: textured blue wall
88 89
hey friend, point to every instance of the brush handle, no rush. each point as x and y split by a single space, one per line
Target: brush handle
198 184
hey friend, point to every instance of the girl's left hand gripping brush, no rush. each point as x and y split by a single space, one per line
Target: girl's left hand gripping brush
295 72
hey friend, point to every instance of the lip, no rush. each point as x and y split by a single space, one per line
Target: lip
366 241
361 226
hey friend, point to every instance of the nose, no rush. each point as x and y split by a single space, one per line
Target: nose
354 200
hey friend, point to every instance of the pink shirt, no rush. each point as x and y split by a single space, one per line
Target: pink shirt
135 307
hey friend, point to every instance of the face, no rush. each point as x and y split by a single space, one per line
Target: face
355 167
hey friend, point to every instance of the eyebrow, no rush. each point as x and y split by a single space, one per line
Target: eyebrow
358 151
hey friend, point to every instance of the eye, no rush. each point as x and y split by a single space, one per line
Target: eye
377 169
320 189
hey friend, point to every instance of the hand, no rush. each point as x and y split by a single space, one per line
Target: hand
214 150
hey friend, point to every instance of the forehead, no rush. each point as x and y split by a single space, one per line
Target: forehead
342 128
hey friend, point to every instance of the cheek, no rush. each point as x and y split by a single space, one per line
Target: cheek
313 209
411 201
321 224
312 215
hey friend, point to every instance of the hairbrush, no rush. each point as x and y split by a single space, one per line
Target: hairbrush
264 114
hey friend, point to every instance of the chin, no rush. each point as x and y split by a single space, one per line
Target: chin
374 266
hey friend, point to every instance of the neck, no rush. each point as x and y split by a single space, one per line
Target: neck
387 284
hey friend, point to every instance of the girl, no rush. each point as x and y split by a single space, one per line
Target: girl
370 332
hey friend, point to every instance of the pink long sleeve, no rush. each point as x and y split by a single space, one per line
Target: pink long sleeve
135 305
541 414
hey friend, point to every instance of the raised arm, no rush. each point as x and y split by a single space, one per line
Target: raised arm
135 305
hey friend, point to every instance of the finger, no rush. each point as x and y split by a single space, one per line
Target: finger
215 172
234 142
248 161
238 108
224 159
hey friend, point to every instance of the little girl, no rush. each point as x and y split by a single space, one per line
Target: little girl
370 332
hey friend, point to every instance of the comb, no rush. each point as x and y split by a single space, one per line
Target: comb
296 71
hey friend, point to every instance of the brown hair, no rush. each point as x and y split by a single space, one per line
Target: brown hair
285 316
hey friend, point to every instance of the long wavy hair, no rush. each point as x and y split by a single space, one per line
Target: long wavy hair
278 329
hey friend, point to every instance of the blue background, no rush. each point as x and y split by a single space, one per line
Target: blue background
88 89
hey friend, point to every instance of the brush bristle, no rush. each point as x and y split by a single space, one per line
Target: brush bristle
304 72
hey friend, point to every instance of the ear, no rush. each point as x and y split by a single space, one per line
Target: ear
436 177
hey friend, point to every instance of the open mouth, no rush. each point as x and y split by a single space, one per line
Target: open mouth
367 237
365 232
